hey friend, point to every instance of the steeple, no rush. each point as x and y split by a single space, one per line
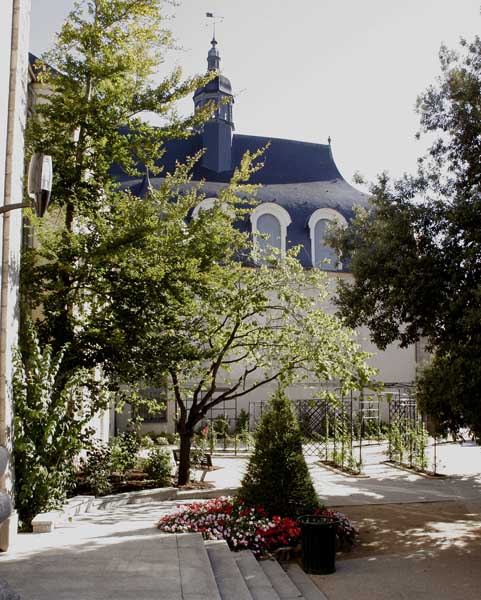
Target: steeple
213 57
218 130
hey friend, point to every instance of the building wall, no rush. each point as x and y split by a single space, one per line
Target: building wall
14 37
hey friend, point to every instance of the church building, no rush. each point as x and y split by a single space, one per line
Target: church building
301 191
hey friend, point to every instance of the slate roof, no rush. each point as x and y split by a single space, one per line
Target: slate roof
299 176
219 84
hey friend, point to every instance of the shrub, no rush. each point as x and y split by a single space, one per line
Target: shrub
158 466
124 450
277 476
221 426
172 438
162 441
96 468
147 440
242 421
50 428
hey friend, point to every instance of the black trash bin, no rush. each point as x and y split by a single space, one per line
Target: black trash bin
318 543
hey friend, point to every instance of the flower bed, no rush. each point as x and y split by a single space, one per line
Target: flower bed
242 526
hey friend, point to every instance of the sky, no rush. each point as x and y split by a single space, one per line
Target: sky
312 69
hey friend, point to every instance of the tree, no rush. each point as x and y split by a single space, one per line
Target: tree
99 77
277 476
181 298
139 287
416 256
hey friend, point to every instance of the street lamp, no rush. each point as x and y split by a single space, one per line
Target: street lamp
40 174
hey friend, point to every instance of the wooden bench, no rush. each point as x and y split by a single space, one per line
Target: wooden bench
204 464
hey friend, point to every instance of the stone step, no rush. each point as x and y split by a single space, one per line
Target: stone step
230 582
304 583
257 581
280 580
196 577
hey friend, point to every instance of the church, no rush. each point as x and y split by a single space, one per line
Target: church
301 191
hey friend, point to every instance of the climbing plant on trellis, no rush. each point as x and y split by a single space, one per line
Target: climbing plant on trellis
408 437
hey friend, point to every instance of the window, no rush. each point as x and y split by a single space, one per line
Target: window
205 204
208 204
322 255
272 221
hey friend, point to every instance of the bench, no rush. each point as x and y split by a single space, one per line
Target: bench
203 463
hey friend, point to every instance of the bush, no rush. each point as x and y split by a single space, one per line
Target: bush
162 441
242 422
221 426
96 468
147 441
50 428
277 476
124 450
158 466
172 438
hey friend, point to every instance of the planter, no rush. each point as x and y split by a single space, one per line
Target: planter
318 534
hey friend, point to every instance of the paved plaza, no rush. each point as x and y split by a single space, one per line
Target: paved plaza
420 537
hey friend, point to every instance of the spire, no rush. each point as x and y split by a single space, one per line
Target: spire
213 57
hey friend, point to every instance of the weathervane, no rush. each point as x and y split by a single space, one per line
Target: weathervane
215 19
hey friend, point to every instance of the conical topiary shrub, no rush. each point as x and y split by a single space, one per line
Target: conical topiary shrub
277 476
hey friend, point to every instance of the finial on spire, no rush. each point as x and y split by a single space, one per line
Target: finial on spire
329 140
215 19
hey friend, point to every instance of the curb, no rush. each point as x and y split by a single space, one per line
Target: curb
48 521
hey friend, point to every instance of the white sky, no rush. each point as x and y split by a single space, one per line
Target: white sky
309 69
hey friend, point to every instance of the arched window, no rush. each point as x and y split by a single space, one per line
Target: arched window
205 204
322 255
272 221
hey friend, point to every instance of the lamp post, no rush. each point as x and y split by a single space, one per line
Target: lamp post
40 174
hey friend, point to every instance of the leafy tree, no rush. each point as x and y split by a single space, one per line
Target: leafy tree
179 299
137 286
416 256
277 476
100 80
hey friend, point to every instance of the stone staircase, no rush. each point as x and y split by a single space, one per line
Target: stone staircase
210 571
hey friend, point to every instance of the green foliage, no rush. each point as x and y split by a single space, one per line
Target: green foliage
221 426
156 292
96 468
158 466
416 255
277 476
123 451
242 421
49 429
104 60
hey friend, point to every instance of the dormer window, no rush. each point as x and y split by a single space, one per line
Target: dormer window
322 255
205 204
269 228
209 204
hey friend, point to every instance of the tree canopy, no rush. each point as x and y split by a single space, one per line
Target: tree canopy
416 255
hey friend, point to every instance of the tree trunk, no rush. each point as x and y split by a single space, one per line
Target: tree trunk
184 459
